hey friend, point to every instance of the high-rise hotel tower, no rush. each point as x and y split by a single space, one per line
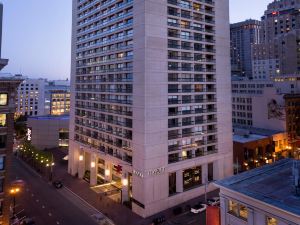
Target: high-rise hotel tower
151 100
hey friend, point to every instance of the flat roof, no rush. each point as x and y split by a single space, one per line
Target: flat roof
259 131
9 77
50 117
272 184
247 138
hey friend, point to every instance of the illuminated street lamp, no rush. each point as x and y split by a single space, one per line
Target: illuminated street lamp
80 157
14 191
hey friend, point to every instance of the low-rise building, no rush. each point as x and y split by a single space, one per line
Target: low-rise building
252 150
48 131
269 195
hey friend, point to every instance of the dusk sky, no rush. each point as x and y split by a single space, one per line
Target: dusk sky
37 34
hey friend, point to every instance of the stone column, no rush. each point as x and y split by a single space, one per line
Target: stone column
73 159
250 216
125 187
81 163
93 169
223 210
179 181
204 173
108 172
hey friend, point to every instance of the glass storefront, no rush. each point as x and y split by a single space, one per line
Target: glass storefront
192 177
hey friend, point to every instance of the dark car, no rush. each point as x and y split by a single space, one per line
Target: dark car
159 220
57 184
28 221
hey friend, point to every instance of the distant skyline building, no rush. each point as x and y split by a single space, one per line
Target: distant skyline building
278 53
151 104
243 35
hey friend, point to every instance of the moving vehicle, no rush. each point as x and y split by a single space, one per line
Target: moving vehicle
200 207
57 184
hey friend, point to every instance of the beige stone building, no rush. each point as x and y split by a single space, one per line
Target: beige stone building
151 109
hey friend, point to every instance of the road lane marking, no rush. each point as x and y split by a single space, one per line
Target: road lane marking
49 214
57 222
37 200
43 207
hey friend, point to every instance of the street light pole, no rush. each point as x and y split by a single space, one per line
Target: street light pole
205 187
13 192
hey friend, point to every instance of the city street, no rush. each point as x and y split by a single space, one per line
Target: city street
47 205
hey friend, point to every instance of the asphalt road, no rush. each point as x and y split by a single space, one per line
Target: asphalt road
47 205
188 218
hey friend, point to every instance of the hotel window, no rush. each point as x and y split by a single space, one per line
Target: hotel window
1 184
210 172
192 178
2 140
172 183
238 210
3 99
2 162
271 221
2 120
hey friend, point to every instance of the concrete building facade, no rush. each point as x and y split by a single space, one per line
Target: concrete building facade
38 97
278 52
48 131
261 196
31 97
151 112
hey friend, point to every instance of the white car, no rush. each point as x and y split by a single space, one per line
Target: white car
213 201
198 208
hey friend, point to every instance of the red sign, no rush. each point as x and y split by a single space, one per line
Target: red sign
213 215
118 168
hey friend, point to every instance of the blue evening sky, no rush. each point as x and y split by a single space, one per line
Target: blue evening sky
37 34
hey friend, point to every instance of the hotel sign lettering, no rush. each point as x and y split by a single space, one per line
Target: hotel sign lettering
152 172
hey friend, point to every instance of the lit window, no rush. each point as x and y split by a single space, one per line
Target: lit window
2 120
3 99
238 210
271 221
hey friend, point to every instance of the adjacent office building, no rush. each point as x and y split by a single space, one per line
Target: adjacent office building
57 97
269 195
31 97
38 97
8 86
151 110
243 35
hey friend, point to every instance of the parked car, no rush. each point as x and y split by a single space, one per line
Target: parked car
159 220
28 221
213 201
57 184
198 208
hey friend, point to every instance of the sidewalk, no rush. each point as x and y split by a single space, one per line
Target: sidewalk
119 214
